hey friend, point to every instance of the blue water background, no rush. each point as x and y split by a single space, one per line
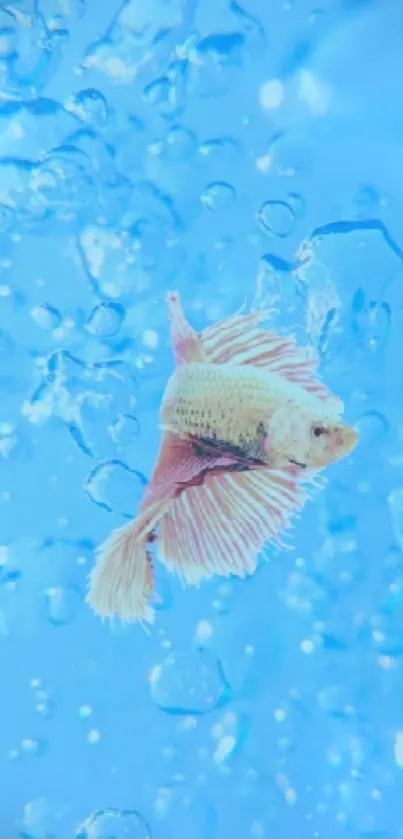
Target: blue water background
246 154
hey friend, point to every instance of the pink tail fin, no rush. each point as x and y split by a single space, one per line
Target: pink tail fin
221 525
186 343
122 581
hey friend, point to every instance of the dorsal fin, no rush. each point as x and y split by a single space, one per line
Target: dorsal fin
239 340
186 343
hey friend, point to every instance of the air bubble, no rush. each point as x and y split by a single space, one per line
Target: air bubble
125 430
43 819
189 683
218 196
62 604
106 320
111 823
62 184
46 316
116 487
91 107
371 321
180 144
277 218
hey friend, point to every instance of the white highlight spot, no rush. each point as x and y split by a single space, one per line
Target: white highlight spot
314 93
85 711
150 339
399 749
225 747
204 630
307 646
94 736
155 674
263 164
271 94
290 796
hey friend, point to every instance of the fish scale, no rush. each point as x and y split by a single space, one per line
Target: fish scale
223 402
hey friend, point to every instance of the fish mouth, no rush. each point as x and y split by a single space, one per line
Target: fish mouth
349 439
297 463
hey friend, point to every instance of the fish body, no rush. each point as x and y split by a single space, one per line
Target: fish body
246 427
242 409
229 404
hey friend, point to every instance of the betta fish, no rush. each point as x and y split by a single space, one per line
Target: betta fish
246 425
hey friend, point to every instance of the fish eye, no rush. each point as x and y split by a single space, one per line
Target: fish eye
319 430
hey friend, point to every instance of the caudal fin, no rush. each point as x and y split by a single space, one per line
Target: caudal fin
121 582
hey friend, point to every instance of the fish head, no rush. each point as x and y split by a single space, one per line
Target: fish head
329 441
309 435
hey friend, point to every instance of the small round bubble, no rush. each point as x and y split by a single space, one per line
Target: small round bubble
277 218
218 196
111 823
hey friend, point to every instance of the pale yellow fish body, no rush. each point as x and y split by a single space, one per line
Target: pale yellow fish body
227 402
244 406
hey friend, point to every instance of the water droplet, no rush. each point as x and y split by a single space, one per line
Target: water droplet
125 430
43 819
84 396
109 262
371 321
277 218
111 823
62 604
31 63
62 184
286 156
276 286
116 487
218 196
349 250
189 683
48 317
395 500
106 319
180 144
222 49
298 203
160 92
90 106
322 308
